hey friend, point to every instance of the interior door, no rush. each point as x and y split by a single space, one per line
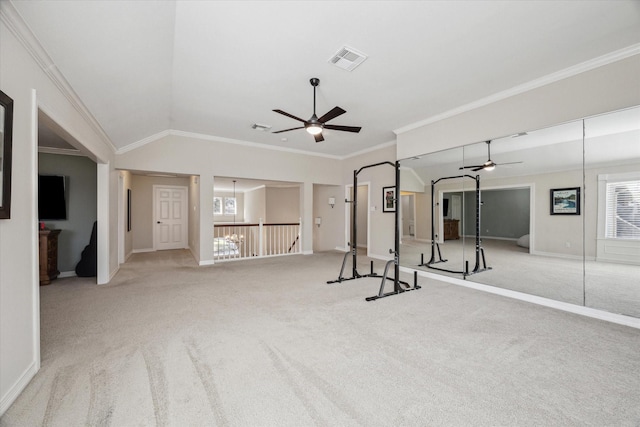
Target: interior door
170 217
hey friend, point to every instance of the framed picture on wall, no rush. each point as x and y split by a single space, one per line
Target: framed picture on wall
388 199
565 201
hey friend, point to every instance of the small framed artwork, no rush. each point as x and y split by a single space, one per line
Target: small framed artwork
565 201
388 199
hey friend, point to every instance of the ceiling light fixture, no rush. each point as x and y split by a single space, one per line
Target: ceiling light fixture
314 128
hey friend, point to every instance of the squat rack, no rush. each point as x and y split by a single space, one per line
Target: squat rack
399 286
479 250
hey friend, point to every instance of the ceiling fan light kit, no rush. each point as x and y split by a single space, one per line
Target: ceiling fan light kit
315 125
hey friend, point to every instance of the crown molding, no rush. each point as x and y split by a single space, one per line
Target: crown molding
61 151
369 150
592 64
19 28
143 142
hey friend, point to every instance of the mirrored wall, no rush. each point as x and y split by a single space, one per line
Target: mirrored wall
553 212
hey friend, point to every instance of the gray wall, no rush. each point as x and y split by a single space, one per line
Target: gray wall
81 195
504 213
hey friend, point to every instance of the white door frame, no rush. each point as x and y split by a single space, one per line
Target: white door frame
185 212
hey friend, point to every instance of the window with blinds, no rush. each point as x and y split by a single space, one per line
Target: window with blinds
623 210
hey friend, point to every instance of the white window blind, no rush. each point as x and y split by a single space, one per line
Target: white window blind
623 210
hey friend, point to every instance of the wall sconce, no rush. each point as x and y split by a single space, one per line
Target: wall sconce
318 221
332 201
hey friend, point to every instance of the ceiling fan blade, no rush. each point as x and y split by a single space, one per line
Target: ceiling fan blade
290 115
355 129
479 168
472 167
287 130
337 111
508 163
318 137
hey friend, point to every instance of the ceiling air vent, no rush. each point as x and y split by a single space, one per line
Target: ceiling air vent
348 58
260 128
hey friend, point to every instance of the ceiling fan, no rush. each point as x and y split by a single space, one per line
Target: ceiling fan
315 125
489 165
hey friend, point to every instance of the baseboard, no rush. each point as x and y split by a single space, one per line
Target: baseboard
557 255
139 251
619 319
14 391
127 256
341 249
64 274
473 237
113 273
206 262
307 252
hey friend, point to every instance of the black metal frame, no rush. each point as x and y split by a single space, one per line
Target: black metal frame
398 285
479 250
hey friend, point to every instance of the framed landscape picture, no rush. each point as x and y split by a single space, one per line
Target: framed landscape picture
565 201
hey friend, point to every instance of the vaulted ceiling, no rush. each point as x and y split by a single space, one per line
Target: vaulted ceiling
217 67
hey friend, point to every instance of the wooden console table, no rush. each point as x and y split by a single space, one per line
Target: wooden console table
451 229
48 256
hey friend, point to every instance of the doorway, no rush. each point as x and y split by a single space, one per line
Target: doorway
170 221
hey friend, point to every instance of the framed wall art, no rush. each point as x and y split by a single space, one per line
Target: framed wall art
565 201
6 135
388 199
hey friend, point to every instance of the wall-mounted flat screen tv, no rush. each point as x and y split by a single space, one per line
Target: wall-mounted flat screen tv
52 203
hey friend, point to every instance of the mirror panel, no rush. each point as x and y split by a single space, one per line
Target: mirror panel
546 224
612 212
436 245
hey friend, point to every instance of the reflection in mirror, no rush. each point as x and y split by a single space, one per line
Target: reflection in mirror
612 212
520 245
581 246
435 245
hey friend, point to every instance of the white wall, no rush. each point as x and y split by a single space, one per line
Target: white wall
22 77
255 205
194 216
381 225
209 157
603 89
330 234
283 204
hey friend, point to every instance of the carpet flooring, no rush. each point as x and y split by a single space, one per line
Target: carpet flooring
267 342
601 285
